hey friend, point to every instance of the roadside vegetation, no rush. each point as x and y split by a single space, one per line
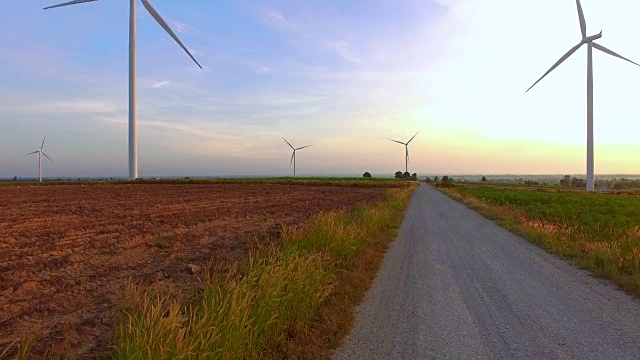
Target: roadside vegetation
293 299
596 231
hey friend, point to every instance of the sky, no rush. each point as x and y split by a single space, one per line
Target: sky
341 75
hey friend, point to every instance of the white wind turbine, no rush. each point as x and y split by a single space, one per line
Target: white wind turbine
406 147
589 40
293 156
133 146
40 153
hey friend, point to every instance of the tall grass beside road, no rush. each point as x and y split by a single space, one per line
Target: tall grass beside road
293 299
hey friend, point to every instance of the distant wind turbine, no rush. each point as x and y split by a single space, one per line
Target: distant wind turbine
589 40
133 146
293 156
40 153
406 147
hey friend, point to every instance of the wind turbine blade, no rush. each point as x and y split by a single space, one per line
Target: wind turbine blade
285 140
47 157
562 59
607 51
300 148
399 142
411 138
583 23
166 28
31 153
45 137
74 2
292 156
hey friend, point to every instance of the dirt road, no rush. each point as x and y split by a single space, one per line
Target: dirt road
457 286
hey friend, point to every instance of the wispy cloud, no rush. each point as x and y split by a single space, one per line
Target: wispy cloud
181 27
200 137
64 106
344 50
161 84
274 18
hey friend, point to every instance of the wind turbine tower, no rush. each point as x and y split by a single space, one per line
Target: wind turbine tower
40 152
590 42
406 148
293 156
133 139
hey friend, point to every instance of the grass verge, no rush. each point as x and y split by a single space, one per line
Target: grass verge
290 300
597 232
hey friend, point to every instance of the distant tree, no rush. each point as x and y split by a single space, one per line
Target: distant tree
531 183
484 179
428 180
436 179
619 184
414 176
15 178
398 174
366 174
446 181
406 175
566 181
575 182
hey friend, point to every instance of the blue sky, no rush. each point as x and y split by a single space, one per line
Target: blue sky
342 75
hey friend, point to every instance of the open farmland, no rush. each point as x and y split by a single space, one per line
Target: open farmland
67 251
596 231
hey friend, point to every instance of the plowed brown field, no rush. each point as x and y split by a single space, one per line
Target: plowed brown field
67 251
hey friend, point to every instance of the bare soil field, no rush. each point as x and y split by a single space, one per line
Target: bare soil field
67 251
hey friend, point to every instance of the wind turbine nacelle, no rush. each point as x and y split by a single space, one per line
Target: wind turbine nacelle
593 37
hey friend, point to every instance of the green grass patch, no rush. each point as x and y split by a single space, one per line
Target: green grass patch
160 242
596 231
293 299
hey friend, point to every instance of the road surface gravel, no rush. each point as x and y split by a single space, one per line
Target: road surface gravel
456 286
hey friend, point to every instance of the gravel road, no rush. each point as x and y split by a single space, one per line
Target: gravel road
456 286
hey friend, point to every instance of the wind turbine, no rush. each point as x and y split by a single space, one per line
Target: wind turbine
293 156
40 153
589 40
406 147
133 139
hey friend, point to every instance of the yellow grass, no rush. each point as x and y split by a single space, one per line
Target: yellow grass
273 305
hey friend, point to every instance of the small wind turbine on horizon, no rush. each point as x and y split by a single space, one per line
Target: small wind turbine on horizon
406 147
589 40
40 152
293 156
133 139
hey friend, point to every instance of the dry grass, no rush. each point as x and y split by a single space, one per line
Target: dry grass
293 300
19 349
